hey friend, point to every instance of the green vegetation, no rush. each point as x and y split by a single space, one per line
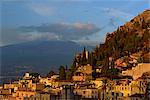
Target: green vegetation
34 74
69 75
113 71
130 38
62 73
51 73
127 39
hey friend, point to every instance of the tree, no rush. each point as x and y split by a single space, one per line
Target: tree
62 73
35 77
51 73
105 66
84 60
113 71
68 75
91 59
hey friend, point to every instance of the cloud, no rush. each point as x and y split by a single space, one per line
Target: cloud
42 9
62 31
88 42
31 36
57 31
9 36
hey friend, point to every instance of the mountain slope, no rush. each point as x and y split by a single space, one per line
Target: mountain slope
131 38
39 56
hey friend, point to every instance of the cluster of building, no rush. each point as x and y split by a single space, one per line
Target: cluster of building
81 87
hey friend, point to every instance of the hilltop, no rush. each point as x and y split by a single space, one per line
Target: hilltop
127 42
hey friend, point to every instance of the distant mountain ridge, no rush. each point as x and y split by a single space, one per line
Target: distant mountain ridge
40 56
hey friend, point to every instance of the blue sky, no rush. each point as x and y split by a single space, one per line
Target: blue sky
82 21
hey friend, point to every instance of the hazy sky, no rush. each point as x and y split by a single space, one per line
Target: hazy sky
82 21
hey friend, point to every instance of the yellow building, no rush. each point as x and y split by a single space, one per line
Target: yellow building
6 91
129 87
47 80
7 97
83 73
28 83
78 76
25 83
20 94
124 86
98 82
139 86
137 71
40 96
14 86
87 92
37 87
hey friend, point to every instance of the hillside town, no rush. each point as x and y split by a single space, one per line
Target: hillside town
112 71
82 86
86 83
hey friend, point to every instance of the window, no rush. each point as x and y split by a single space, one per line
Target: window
140 83
84 92
17 94
112 88
121 94
117 94
112 93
